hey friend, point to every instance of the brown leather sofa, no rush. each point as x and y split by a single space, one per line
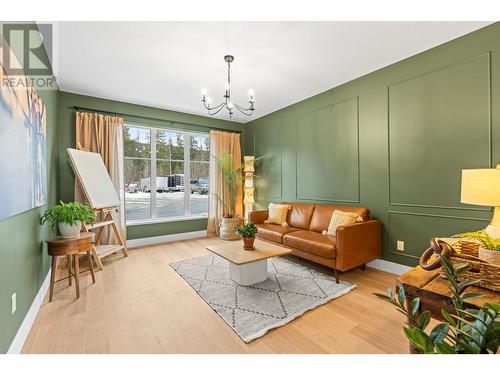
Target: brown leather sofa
353 245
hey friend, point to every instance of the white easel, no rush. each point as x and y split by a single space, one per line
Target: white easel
98 188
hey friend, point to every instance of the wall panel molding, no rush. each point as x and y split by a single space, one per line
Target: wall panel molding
437 112
266 127
336 167
408 252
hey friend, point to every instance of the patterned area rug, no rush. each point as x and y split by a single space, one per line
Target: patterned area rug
290 290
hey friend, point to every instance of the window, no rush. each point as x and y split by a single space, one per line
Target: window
179 164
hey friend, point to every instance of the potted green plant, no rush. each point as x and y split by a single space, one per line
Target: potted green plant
247 233
467 330
233 178
68 218
489 247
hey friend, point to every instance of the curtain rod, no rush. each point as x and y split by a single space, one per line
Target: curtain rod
121 114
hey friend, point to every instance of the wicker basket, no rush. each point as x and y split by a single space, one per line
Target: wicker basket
488 274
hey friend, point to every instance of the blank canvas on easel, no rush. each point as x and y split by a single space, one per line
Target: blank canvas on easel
94 178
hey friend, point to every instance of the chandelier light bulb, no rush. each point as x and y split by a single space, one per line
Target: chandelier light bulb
251 93
230 105
209 100
204 92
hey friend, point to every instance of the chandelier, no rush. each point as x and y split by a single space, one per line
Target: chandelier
228 103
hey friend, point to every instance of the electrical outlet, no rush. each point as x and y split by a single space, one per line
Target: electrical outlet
13 300
401 245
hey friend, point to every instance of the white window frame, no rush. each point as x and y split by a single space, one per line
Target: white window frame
187 177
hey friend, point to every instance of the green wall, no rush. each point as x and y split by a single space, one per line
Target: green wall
136 114
24 262
394 141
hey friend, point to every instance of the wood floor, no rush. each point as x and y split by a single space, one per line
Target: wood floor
140 305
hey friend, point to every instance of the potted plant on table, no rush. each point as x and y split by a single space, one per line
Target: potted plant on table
489 247
247 232
68 218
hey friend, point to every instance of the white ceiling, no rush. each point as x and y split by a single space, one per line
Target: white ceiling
167 64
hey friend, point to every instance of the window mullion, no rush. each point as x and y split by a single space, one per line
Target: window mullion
187 174
153 174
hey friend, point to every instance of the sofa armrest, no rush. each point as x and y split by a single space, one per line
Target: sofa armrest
358 243
258 217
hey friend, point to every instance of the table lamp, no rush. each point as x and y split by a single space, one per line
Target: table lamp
249 170
482 187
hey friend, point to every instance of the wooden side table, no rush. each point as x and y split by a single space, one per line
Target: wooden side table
71 248
434 292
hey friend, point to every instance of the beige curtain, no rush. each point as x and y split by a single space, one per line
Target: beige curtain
96 132
220 142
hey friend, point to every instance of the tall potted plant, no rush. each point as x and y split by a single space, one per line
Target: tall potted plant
233 178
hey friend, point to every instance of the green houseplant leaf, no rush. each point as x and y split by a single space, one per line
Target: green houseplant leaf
424 319
439 333
414 306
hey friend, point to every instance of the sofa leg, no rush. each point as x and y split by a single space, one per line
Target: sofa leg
363 267
337 275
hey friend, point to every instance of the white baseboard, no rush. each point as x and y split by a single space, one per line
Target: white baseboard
391 267
167 238
29 319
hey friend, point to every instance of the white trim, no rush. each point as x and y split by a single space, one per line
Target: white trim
138 242
391 267
168 129
187 174
22 333
153 176
131 223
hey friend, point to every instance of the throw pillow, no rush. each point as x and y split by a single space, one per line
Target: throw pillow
341 218
277 214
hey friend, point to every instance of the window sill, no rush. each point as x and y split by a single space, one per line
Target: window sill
165 220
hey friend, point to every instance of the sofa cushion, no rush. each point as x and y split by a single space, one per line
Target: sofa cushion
273 232
311 242
322 215
299 215
278 214
340 218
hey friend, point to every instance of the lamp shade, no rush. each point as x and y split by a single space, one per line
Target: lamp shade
481 187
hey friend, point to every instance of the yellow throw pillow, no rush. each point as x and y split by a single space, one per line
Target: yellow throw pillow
277 214
341 218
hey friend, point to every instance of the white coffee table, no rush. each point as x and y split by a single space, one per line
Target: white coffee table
247 267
